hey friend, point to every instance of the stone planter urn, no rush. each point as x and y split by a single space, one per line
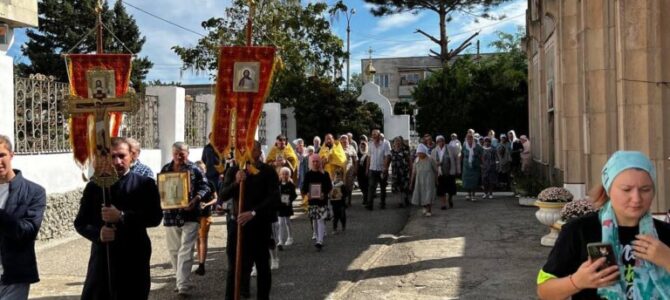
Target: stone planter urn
548 214
550 201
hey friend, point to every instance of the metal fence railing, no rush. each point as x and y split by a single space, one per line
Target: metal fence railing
195 127
40 125
143 125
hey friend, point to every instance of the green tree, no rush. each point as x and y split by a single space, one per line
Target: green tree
444 9
403 108
63 24
481 94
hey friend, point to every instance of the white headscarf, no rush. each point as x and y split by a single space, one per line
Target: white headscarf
422 149
454 149
471 150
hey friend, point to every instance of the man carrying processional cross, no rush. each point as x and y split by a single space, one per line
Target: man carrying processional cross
117 206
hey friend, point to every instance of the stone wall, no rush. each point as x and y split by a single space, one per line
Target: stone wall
59 215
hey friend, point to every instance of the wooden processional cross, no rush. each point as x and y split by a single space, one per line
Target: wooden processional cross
101 102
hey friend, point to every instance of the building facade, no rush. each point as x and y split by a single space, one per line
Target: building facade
599 81
398 76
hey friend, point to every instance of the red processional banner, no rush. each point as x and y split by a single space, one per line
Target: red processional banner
243 83
95 76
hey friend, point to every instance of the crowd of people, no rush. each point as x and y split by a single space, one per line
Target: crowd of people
324 175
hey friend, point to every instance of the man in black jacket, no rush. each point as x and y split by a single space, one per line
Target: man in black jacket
261 199
120 228
22 204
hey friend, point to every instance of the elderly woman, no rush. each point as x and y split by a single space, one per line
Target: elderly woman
441 156
504 158
454 148
489 172
362 175
640 242
472 156
424 180
350 168
400 162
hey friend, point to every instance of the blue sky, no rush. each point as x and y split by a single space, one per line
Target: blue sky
390 36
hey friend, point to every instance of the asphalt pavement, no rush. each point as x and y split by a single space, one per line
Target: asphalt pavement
488 249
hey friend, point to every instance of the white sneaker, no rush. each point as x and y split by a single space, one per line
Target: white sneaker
274 264
314 236
428 214
289 241
490 196
253 271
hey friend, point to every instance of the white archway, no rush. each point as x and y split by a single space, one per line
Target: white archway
394 125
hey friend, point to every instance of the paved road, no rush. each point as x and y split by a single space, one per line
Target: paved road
303 274
484 250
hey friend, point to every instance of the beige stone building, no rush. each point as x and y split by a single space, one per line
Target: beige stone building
398 76
599 81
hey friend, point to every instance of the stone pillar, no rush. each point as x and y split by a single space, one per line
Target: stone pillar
171 110
272 123
640 94
569 88
7 96
7 89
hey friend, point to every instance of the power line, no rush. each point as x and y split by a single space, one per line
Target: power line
162 19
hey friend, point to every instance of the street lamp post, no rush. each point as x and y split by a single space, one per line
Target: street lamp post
349 14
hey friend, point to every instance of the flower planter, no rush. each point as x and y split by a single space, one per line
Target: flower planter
548 214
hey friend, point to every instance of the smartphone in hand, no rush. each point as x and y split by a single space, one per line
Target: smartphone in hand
598 250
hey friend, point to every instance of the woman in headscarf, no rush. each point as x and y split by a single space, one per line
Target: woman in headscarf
424 180
400 162
440 155
504 158
350 168
640 242
472 156
489 172
454 150
362 175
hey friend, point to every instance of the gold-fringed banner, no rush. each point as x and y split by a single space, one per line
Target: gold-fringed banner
243 83
95 76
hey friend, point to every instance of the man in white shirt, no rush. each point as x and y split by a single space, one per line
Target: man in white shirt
22 205
378 168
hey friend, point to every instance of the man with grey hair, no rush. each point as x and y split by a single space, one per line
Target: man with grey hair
181 225
136 166
22 204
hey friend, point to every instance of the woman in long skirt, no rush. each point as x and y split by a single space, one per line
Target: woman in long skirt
424 180
472 155
489 172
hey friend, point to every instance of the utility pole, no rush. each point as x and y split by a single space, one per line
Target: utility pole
348 14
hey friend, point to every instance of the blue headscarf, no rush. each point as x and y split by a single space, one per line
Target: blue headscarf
650 281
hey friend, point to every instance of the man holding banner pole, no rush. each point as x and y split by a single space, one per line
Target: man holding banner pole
261 198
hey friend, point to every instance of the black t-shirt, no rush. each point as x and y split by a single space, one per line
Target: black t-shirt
317 178
570 252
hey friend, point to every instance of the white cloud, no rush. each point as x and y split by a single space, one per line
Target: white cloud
397 21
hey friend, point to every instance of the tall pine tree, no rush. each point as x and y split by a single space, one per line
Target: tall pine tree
62 24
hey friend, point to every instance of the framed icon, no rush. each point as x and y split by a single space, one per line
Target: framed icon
246 76
174 188
101 84
315 191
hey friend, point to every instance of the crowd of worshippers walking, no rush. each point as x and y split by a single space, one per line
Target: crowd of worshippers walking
323 175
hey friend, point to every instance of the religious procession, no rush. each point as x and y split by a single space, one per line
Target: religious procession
230 150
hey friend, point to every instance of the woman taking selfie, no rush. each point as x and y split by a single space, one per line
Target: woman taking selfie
639 242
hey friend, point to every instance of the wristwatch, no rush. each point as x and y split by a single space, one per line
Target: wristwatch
122 218
253 213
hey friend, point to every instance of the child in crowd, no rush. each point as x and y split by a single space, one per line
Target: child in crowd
337 202
205 220
285 211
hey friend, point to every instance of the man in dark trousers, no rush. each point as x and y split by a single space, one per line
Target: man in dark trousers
22 204
261 199
135 205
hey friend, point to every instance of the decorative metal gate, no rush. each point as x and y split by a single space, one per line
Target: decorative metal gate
143 125
40 125
195 134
